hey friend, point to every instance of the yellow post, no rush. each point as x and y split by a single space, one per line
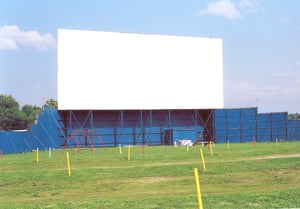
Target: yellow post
202 158
128 153
210 149
37 155
198 188
68 162
228 144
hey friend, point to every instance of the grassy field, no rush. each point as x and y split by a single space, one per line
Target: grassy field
267 176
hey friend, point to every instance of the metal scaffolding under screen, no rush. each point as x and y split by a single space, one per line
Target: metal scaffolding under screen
139 127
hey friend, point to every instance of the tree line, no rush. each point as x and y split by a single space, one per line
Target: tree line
295 116
14 117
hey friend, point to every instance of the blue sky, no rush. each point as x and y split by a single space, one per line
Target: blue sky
261 42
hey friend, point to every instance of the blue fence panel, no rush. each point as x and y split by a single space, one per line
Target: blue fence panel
220 132
264 138
249 111
17 141
153 135
247 138
234 119
221 125
263 117
233 113
220 113
8 144
249 124
236 125
47 131
279 116
153 138
279 126
184 134
279 134
279 123
264 127
249 132
44 134
263 135
293 129
233 125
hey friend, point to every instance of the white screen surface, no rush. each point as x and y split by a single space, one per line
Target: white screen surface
119 71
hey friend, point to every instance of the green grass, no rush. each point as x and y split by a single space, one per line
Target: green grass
267 176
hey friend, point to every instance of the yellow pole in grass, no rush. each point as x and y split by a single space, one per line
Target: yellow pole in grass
210 149
37 156
68 162
198 188
202 158
128 153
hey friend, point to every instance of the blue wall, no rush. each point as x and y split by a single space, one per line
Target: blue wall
235 125
272 126
156 127
43 135
246 125
293 129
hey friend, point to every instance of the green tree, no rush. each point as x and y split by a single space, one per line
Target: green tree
30 113
295 116
10 115
52 103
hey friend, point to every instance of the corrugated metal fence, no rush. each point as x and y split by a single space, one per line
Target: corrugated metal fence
246 125
43 135
234 125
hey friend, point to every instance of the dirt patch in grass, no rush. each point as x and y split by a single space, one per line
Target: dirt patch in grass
277 156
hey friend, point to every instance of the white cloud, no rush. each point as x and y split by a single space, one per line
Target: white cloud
224 8
7 44
249 91
12 38
276 91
